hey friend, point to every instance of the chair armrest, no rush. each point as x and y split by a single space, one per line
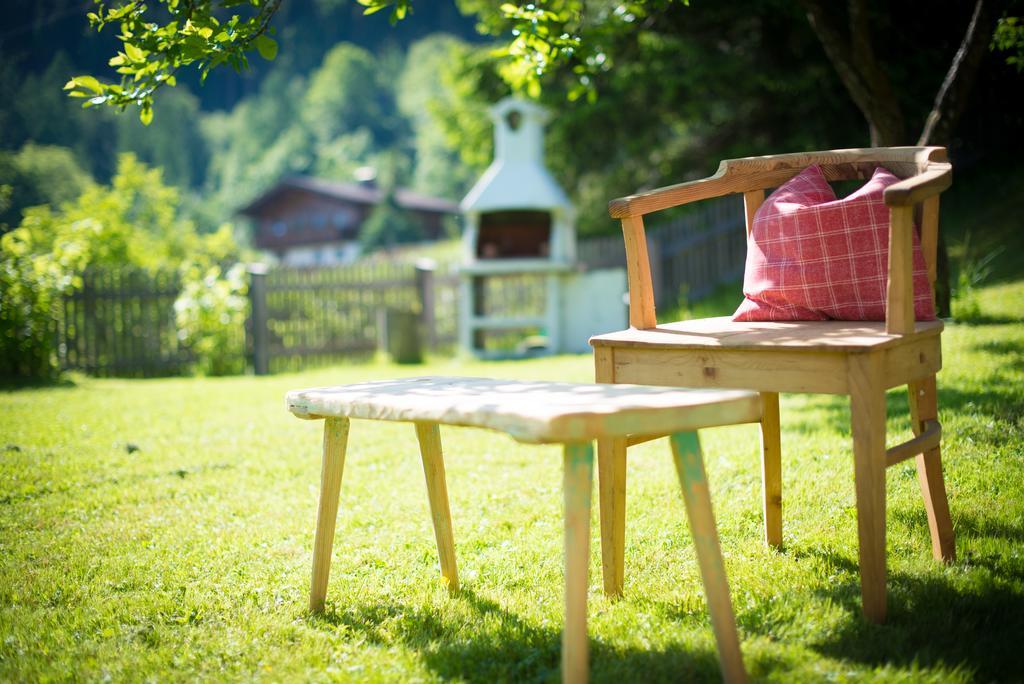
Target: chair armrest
927 168
673 195
929 183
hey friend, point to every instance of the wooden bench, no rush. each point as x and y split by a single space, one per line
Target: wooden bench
541 413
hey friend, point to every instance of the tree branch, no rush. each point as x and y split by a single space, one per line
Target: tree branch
956 87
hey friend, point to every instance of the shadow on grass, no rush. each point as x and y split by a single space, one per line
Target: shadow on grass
933 621
987 319
495 645
1000 399
969 617
21 384
966 525
1010 354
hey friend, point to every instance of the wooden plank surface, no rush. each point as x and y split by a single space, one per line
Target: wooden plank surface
721 331
867 418
638 270
771 469
899 300
930 235
538 412
692 479
767 370
429 437
335 444
577 483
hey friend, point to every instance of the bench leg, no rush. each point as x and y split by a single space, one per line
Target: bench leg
924 407
578 481
335 441
692 479
611 475
867 415
771 468
429 437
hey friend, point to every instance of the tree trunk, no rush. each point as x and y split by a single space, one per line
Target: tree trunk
853 58
950 103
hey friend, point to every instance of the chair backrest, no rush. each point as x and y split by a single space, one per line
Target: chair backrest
925 171
855 164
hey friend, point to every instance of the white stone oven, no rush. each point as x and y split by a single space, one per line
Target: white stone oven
519 225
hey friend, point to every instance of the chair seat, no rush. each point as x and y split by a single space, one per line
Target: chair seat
723 332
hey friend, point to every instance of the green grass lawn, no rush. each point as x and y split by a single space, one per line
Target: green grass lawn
162 530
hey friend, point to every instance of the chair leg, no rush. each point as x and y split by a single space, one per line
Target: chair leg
429 436
690 469
771 468
924 407
867 412
577 483
335 441
611 472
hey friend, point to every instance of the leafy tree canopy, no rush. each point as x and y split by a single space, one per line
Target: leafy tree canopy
158 40
35 175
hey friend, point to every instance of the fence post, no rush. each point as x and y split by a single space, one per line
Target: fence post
425 292
258 318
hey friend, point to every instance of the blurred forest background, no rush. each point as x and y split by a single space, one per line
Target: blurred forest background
675 89
688 87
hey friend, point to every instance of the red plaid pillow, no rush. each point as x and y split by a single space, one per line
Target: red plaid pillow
812 257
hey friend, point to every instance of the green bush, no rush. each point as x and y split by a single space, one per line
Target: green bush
28 287
132 223
210 315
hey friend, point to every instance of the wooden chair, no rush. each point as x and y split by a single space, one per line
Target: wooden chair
858 358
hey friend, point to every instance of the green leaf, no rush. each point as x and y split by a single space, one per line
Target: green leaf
266 46
146 115
134 52
88 82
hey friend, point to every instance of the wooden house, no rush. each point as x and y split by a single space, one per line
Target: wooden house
312 221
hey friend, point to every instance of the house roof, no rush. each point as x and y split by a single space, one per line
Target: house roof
349 192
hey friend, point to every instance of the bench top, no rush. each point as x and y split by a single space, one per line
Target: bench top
537 412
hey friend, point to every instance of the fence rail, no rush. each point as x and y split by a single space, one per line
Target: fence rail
121 322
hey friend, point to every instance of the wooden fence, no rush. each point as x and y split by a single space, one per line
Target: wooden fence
322 315
690 255
121 322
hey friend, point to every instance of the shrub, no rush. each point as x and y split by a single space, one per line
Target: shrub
132 223
210 315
